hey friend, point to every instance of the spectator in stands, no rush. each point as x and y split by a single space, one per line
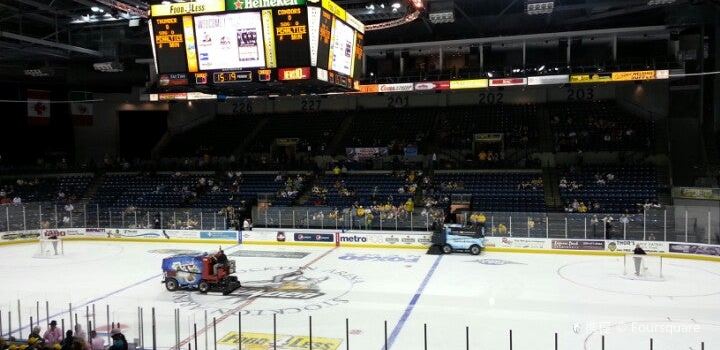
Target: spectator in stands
247 224
81 336
624 220
96 343
409 205
52 335
118 340
582 208
67 343
607 220
35 339
594 222
502 229
17 200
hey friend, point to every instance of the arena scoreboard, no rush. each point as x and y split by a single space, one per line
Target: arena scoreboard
256 45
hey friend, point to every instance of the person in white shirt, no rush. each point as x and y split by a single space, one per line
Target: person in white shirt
246 225
17 200
96 343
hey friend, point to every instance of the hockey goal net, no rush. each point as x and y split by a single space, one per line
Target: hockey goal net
643 267
50 245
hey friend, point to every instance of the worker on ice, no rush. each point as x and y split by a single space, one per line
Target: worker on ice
638 259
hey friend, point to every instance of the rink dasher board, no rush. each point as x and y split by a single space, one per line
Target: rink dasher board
370 240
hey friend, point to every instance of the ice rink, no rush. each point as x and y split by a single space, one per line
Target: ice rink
581 298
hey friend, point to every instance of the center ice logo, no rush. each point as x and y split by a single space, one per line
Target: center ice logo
279 290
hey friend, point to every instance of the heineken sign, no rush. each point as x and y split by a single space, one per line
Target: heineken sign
257 4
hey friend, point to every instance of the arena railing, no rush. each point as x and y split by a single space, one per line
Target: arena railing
696 224
148 327
672 223
34 216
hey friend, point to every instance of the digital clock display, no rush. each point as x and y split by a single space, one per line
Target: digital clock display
232 77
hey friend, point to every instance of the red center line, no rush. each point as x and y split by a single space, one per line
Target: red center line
227 315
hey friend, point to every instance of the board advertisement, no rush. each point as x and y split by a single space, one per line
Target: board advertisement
578 244
629 245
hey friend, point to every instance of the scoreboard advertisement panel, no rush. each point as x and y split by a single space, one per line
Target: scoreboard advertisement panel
325 33
359 52
221 42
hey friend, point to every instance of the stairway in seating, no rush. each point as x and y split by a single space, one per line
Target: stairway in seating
664 182
250 137
687 152
547 138
92 189
551 182
331 147
306 192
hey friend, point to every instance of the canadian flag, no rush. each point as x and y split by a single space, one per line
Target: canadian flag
80 109
38 107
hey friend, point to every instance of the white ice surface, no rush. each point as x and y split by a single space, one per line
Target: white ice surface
536 295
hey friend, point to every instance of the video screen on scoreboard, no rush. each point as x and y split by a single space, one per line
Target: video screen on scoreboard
169 44
291 37
341 48
230 41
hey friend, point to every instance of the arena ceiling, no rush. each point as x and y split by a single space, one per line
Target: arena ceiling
65 37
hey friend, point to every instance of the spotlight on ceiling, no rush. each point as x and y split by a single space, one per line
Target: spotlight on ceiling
442 12
539 7
109 67
39 72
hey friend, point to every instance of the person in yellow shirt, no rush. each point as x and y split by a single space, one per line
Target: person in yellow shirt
502 229
409 205
336 171
582 208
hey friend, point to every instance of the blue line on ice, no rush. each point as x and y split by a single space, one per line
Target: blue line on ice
411 305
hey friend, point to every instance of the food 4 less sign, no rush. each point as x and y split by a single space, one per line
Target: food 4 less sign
256 4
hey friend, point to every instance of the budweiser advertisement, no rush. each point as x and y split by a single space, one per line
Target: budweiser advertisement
508 81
